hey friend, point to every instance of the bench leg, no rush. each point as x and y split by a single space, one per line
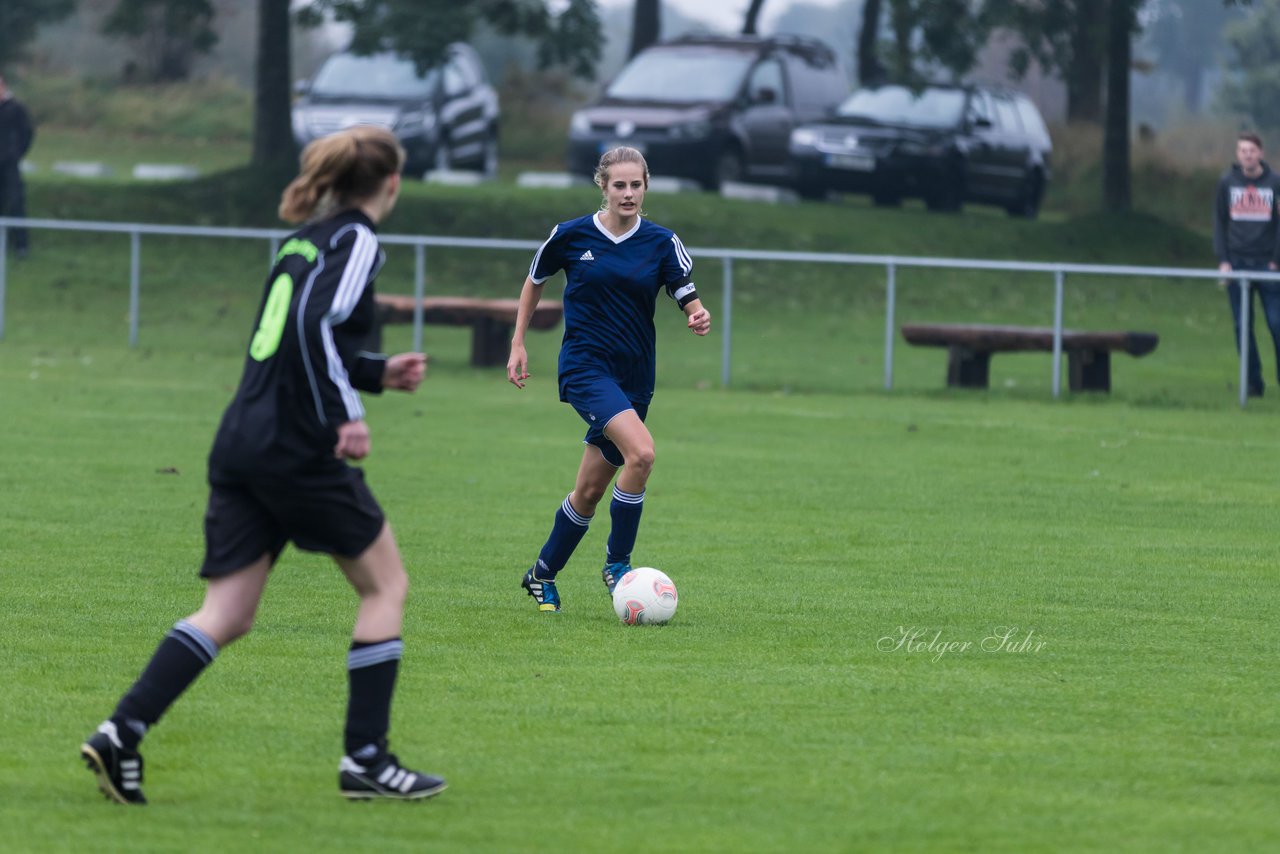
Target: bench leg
968 368
490 342
1089 370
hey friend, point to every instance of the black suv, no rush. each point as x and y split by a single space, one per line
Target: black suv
946 144
711 108
445 119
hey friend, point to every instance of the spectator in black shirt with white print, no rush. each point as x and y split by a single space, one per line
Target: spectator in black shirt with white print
1245 232
277 471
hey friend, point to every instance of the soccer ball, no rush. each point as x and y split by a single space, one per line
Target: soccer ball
645 597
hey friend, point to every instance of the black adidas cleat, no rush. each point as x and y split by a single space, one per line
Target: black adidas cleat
119 769
385 778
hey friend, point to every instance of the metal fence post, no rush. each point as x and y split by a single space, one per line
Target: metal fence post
727 335
890 304
1246 326
275 249
1057 333
419 292
135 277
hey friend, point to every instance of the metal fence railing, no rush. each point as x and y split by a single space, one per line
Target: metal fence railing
890 263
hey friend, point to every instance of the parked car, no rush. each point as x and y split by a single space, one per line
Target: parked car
446 118
711 108
946 144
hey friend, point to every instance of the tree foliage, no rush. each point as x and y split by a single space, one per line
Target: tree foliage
21 19
168 33
1063 36
1253 57
929 39
422 29
1186 36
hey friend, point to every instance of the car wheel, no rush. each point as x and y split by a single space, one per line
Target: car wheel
728 167
1027 205
948 195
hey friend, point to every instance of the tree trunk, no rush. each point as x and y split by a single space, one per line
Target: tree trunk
1084 77
902 20
870 71
646 25
753 14
273 146
1116 184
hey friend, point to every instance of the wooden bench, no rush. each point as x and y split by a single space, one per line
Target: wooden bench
970 347
491 320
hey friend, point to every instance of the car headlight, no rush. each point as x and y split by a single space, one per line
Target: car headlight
410 122
804 138
299 125
580 124
696 129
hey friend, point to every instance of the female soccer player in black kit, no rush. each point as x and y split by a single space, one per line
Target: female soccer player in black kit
277 471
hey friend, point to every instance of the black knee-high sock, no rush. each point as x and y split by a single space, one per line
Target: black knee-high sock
182 656
371 673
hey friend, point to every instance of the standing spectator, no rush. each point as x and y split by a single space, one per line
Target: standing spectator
15 140
1245 229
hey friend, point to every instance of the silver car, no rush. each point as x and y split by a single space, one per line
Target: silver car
446 118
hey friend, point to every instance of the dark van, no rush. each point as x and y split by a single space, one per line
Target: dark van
711 108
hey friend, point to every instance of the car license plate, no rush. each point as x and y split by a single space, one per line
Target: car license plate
618 143
855 162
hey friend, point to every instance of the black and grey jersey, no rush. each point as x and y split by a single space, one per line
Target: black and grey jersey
306 358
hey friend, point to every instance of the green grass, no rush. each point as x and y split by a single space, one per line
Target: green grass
805 515
1133 541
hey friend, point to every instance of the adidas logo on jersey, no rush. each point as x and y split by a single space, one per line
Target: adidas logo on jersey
587 256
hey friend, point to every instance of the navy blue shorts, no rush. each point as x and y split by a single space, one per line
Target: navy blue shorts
328 509
597 400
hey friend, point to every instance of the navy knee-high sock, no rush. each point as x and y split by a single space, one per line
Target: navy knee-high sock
371 674
182 656
568 530
624 510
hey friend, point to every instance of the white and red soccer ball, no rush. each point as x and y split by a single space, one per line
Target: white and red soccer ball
645 597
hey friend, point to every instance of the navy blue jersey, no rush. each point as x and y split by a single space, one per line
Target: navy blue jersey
611 289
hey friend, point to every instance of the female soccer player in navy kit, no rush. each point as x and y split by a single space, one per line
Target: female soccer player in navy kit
277 471
615 265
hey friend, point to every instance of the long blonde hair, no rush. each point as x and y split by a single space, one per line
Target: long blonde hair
341 169
611 158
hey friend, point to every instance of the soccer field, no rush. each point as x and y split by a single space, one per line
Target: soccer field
912 621
1126 554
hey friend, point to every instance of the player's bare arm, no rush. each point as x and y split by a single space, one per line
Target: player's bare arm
518 361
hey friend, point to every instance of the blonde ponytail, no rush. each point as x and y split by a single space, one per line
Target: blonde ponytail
341 169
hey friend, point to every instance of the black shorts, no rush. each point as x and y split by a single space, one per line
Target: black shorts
327 510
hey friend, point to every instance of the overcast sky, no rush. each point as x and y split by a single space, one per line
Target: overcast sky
725 14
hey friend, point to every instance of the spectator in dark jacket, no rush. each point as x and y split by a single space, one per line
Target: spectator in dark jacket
15 140
1245 231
